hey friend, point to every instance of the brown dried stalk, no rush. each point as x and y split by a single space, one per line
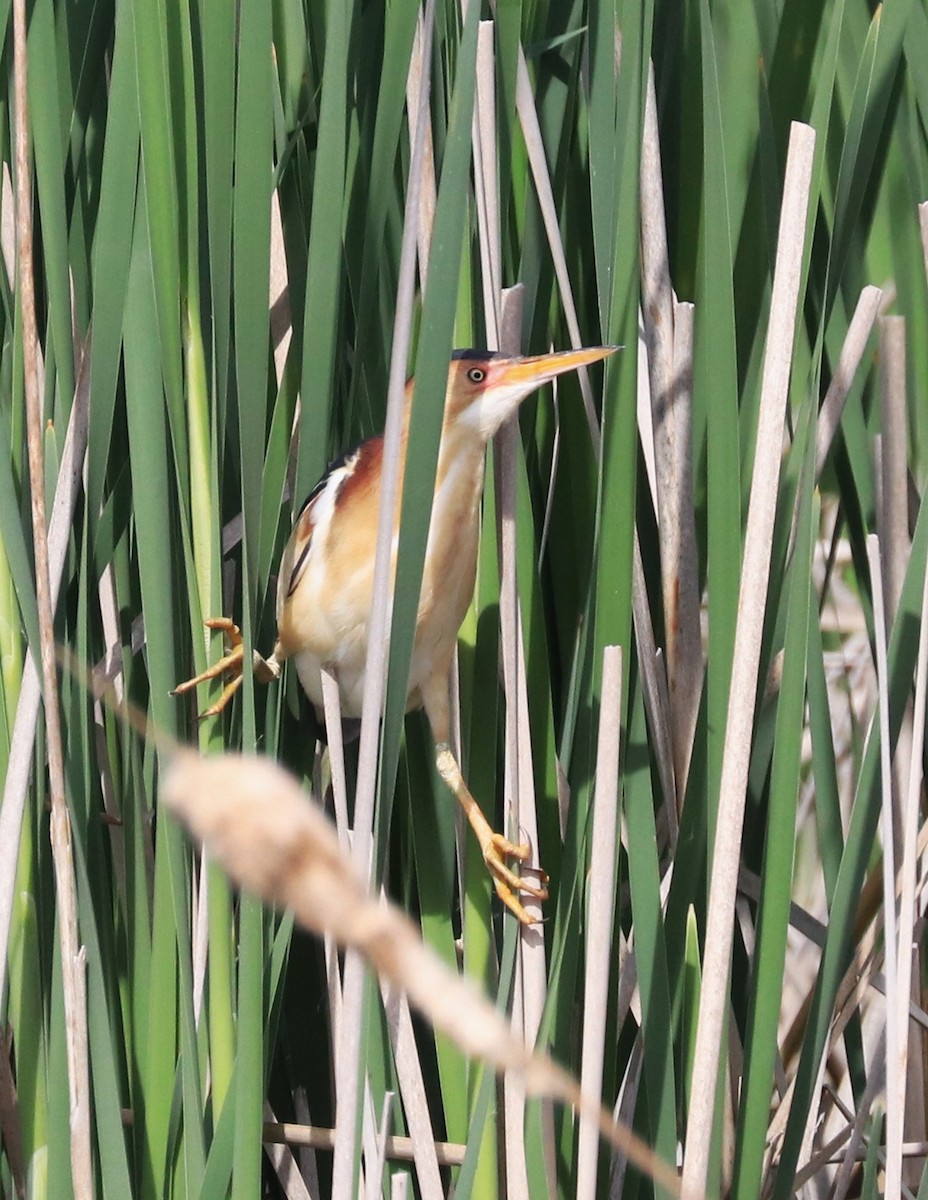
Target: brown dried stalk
72 960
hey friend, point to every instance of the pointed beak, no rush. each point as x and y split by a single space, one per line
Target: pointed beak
533 372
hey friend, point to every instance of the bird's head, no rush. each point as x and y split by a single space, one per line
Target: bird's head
484 388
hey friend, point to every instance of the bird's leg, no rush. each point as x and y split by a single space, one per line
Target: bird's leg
494 847
230 666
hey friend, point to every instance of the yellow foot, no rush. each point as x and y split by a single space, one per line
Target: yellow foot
496 849
229 665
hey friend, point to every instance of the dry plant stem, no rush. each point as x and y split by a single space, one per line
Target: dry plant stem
279 298
900 1077
894 537
860 975
535 148
423 1149
531 975
72 957
892 514
848 1001
284 1163
624 1113
655 693
257 821
332 712
404 1149
517 764
689 669
19 767
879 589
751 607
867 923
876 1078
923 227
895 543
507 338
375 1137
889 556
827 1157
531 962
655 364
855 342
671 418
379 633
600 907
428 194
912 878
382 609
109 616
822 1158
486 184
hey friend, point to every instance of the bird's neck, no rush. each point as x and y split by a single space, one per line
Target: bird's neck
461 458
461 455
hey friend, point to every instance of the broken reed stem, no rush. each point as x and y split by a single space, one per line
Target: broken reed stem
726 856
852 351
670 374
894 535
72 960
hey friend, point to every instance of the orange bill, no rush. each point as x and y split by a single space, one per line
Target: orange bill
539 368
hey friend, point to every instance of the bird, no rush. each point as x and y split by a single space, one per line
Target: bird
325 580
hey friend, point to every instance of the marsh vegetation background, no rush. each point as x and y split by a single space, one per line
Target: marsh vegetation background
219 200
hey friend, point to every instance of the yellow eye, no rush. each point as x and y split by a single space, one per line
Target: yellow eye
476 375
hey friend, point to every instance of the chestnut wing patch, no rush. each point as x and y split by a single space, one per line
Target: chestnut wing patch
301 539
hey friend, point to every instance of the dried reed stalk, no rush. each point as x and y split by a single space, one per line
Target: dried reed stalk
855 342
670 378
378 644
600 910
427 1154
19 766
404 1149
535 149
74 982
713 1001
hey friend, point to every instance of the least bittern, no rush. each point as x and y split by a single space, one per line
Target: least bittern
325 583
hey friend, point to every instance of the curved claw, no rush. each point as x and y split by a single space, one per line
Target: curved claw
229 665
507 883
493 846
